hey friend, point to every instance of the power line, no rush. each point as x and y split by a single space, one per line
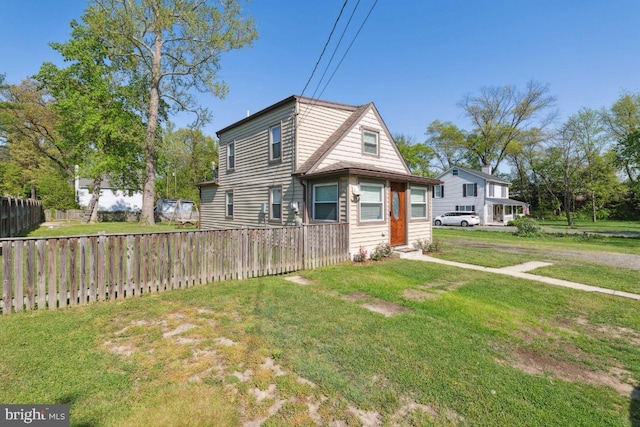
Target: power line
335 50
335 24
351 44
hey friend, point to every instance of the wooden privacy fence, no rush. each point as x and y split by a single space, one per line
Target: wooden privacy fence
60 272
18 215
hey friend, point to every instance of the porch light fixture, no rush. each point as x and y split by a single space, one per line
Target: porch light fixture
355 190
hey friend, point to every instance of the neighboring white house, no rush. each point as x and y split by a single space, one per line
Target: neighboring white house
306 161
471 190
111 199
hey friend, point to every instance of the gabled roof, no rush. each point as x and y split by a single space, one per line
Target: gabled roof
290 99
334 139
480 174
363 169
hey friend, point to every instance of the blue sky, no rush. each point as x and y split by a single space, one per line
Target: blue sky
414 59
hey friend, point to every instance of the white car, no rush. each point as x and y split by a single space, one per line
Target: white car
463 219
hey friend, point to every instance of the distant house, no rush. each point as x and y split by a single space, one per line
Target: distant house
306 161
111 199
464 189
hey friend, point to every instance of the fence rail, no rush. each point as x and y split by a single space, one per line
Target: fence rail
59 272
18 215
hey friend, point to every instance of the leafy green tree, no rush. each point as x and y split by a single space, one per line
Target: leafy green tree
448 143
418 156
185 159
101 130
622 121
172 49
501 116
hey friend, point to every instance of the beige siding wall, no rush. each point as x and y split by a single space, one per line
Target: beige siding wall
367 235
420 229
209 209
350 148
255 174
316 124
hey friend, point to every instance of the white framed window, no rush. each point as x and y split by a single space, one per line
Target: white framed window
370 142
438 191
231 155
325 202
492 190
469 190
229 204
275 203
275 142
465 208
419 202
503 193
371 202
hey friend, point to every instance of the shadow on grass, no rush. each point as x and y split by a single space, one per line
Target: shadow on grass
634 407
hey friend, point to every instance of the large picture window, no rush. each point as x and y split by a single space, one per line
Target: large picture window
275 142
229 205
371 202
325 202
275 204
370 142
418 203
231 155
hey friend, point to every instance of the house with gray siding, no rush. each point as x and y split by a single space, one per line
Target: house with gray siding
469 190
307 161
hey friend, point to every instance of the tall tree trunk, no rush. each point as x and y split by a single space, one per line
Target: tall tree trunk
593 206
94 202
148 195
567 206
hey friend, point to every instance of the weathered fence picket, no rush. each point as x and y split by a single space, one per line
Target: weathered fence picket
58 272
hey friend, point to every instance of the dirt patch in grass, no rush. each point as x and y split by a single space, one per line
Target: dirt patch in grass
376 305
535 363
418 295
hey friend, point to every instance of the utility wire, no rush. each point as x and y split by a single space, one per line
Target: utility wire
335 24
335 50
347 51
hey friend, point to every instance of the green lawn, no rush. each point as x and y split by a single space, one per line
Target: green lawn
470 348
606 226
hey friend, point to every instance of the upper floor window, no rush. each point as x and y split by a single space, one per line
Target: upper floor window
418 202
469 190
229 205
275 142
371 202
275 204
492 190
504 191
438 191
370 142
325 202
454 172
231 155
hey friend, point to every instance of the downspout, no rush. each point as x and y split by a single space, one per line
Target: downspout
294 166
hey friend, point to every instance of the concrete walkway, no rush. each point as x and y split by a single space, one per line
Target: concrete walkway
520 271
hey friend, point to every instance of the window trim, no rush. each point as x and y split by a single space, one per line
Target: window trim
441 187
313 200
271 217
474 193
425 203
227 204
459 208
271 143
229 157
383 197
377 135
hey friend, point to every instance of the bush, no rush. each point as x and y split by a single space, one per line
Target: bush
434 246
526 227
383 250
425 246
361 255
